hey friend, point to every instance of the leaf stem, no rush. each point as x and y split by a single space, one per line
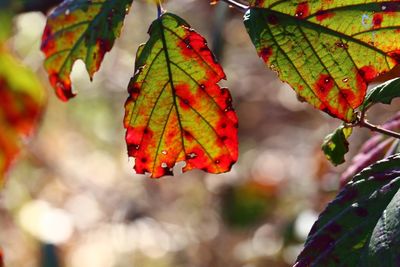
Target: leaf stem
239 6
160 10
364 123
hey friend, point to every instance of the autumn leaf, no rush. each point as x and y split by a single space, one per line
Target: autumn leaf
176 111
21 102
83 30
328 51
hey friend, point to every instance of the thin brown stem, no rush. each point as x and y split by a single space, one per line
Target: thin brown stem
364 123
239 6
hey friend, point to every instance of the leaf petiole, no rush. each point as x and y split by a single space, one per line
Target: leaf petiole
364 123
239 6
160 10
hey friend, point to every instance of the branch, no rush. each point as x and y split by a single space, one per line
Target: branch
239 6
375 128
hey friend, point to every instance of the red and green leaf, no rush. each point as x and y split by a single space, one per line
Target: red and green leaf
83 30
21 103
176 111
328 51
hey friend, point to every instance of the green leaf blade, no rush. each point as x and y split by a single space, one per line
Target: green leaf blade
176 110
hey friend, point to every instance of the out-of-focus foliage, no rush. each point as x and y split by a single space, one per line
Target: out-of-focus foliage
176 111
21 102
349 231
312 47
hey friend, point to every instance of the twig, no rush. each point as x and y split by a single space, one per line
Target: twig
239 6
375 128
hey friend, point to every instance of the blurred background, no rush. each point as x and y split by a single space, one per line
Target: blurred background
72 199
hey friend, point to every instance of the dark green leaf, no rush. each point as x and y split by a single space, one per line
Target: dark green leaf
383 93
384 245
343 230
335 145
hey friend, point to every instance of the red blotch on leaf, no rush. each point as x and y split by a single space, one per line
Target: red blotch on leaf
323 14
368 73
324 85
62 86
351 97
377 20
395 56
185 98
48 45
302 10
265 53
104 46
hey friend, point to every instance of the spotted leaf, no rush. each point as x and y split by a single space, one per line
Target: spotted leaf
328 51
21 102
176 111
342 234
80 29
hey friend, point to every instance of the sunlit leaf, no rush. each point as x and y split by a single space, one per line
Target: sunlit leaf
383 93
176 111
83 30
328 51
21 102
335 145
341 235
